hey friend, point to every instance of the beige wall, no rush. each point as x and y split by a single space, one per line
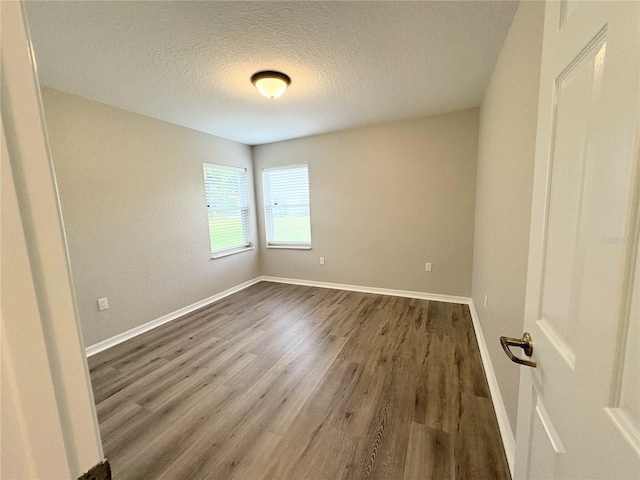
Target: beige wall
132 198
385 199
508 116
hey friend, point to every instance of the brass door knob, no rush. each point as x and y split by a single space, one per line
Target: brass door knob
525 343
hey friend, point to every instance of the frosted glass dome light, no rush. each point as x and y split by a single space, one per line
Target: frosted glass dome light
271 84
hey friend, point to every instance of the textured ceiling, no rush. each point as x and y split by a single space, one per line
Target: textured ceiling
351 63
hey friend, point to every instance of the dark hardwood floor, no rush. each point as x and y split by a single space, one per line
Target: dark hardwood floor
290 382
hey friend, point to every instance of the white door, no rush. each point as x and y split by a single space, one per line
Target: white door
48 423
579 411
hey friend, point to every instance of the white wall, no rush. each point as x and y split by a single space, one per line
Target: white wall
385 199
132 196
508 116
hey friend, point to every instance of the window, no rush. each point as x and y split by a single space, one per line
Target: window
228 208
286 206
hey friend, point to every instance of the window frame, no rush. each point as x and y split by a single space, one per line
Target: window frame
245 211
268 229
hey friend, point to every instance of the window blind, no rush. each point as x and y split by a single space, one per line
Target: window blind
227 207
286 204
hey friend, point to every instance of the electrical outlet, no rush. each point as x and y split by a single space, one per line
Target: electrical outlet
103 303
485 301
427 267
321 260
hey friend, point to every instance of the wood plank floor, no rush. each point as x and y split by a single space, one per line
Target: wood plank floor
291 382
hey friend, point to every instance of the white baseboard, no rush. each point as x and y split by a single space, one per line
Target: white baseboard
437 297
498 404
140 329
508 440
134 332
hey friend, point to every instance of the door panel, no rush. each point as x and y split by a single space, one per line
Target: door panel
546 445
579 409
629 400
625 410
576 89
566 9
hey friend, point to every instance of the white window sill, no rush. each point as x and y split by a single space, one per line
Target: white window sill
291 247
226 253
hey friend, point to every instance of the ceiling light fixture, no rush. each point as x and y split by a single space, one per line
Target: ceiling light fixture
271 84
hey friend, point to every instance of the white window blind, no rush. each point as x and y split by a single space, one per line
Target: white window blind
228 207
286 205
